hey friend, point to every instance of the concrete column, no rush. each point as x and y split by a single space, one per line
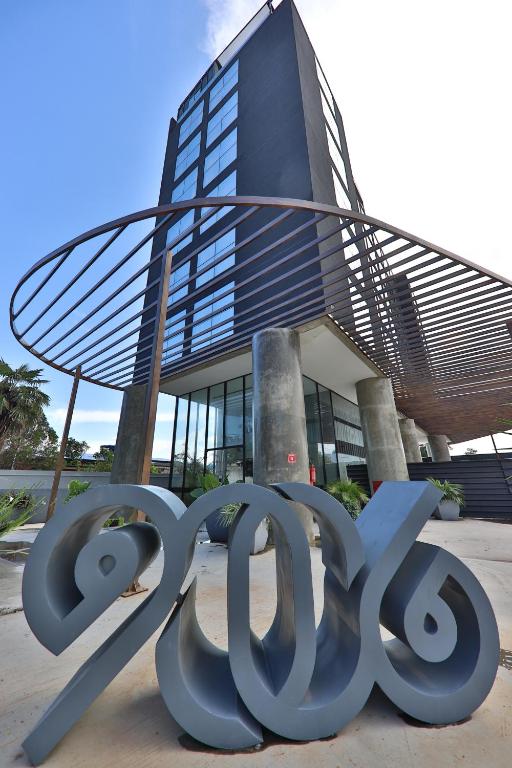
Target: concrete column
130 442
410 441
280 441
385 455
439 447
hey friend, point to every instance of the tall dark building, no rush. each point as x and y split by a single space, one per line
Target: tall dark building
262 121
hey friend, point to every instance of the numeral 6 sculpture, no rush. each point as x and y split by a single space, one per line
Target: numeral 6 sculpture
299 681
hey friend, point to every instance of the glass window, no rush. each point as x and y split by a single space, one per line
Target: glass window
196 439
220 157
226 463
223 85
225 188
217 314
329 441
221 119
172 348
179 445
234 416
314 435
216 416
189 125
175 231
187 156
186 189
179 275
211 253
344 409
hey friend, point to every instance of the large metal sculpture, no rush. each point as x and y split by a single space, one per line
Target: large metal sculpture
299 681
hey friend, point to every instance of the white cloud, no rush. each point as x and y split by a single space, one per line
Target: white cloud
225 18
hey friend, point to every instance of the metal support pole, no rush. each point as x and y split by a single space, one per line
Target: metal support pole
153 386
63 445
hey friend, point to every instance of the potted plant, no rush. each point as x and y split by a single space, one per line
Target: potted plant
452 500
218 522
351 494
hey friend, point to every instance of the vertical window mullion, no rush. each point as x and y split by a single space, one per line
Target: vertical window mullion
243 429
185 449
205 458
173 446
338 474
321 430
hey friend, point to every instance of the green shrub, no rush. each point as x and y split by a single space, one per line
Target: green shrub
451 491
350 494
16 508
75 488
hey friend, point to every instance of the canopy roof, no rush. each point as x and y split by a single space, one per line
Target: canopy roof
436 324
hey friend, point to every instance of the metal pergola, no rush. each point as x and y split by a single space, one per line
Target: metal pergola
100 307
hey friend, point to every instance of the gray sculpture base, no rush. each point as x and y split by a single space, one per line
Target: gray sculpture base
301 681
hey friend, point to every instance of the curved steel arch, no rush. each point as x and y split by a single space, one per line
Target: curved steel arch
434 322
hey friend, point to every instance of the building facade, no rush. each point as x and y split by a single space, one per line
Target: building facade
261 121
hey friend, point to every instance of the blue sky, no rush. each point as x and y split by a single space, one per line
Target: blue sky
87 90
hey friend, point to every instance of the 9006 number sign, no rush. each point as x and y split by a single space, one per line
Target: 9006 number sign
300 681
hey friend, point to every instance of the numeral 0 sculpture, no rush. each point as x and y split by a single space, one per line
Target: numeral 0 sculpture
300 681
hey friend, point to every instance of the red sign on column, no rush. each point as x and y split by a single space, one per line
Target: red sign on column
292 458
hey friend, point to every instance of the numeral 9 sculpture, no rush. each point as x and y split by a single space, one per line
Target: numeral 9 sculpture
300 681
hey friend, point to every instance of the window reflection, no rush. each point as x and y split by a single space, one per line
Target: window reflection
213 432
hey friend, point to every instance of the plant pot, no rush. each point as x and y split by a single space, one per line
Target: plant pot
260 538
447 510
219 532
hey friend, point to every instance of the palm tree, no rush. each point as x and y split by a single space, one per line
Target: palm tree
21 398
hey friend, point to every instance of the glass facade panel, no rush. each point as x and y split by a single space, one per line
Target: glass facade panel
226 463
215 321
216 417
314 435
196 447
234 413
328 436
187 156
221 119
223 85
175 231
344 409
214 430
179 275
172 348
219 158
211 253
180 437
186 189
190 124
225 188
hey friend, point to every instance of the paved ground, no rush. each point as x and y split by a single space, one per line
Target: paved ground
129 725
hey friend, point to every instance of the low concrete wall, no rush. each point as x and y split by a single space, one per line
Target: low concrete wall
39 483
